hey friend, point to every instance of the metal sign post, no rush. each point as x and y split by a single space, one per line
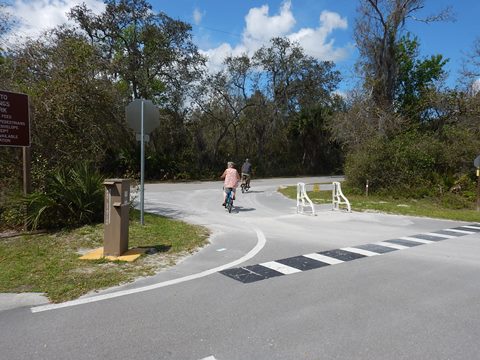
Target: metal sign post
142 169
149 117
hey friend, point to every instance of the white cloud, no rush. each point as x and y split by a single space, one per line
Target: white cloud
34 17
315 41
217 55
197 16
261 27
475 87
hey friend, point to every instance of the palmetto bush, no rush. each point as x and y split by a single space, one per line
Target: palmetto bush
71 198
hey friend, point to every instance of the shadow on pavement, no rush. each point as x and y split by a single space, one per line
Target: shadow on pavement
165 211
242 209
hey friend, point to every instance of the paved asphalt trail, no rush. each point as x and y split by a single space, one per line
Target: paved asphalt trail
422 302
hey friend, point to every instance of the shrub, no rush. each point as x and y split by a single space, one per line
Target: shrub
413 164
12 212
71 198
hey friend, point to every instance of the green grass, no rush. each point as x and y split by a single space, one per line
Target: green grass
442 208
50 264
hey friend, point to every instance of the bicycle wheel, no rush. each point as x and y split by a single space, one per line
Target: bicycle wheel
229 201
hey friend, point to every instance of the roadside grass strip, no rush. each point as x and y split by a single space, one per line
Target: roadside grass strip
297 264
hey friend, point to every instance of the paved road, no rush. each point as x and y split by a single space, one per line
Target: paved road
276 285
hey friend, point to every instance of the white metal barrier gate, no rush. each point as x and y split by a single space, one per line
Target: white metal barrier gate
338 198
301 197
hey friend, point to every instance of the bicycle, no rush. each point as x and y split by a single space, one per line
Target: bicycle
229 199
245 184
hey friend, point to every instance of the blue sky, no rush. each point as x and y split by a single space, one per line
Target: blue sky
323 27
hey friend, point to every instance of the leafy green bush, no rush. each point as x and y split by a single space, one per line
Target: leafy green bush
416 164
71 198
12 212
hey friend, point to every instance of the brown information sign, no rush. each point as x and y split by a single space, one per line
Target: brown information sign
14 119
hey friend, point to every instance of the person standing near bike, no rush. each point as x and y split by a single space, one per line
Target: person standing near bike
232 178
247 171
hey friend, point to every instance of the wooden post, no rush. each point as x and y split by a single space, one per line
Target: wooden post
27 179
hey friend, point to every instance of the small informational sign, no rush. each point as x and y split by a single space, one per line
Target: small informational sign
14 119
476 162
146 137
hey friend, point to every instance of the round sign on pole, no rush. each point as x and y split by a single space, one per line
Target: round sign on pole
476 162
151 116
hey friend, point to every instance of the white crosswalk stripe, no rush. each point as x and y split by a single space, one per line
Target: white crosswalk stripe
471 227
360 251
324 259
422 241
390 245
462 231
284 269
441 235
